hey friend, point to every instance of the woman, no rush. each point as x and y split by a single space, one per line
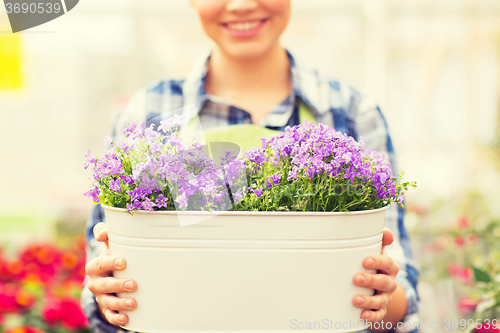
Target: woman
249 78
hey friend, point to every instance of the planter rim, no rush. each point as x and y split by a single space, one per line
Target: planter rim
247 213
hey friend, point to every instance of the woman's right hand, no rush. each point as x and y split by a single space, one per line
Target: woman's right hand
102 283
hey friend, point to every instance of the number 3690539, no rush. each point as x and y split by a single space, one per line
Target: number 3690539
33 8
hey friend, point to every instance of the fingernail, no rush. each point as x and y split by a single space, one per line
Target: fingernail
368 315
118 263
120 319
128 303
361 300
128 285
370 262
361 279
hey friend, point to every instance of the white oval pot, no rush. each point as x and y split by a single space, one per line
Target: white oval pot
245 271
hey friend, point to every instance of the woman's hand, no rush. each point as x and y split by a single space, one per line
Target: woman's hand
384 282
102 283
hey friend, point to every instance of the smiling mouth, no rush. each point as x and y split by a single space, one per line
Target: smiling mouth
244 26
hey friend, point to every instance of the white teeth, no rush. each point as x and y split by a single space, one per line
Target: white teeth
243 26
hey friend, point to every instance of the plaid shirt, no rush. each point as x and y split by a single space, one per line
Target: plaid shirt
332 103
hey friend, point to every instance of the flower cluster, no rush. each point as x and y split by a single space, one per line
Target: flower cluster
41 287
315 168
155 170
306 168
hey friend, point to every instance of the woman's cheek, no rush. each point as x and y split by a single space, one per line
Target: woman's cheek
280 11
276 7
209 10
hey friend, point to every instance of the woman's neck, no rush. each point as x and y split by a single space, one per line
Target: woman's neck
255 85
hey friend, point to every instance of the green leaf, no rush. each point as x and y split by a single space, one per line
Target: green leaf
480 275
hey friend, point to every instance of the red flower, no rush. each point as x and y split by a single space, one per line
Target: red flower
66 311
41 263
467 304
24 299
8 302
69 260
471 238
51 311
466 274
463 223
459 241
454 269
10 270
488 328
441 242
72 314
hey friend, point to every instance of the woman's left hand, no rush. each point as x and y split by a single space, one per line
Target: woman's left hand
384 282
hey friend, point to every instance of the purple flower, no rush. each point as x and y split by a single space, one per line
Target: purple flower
139 193
150 133
136 205
107 142
147 204
89 160
147 182
383 177
258 192
238 195
93 193
400 199
292 174
129 129
275 179
115 185
265 142
167 125
127 179
182 200
124 147
161 201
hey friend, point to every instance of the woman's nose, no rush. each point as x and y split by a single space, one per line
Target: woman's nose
242 6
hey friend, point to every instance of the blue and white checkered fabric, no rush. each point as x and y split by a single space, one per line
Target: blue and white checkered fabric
333 103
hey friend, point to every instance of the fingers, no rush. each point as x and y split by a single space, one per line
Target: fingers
387 239
382 263
115 318
104 264
374 315
379 282
109 285
378 301
116 303
101 232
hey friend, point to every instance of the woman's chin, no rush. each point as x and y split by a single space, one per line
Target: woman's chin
246 51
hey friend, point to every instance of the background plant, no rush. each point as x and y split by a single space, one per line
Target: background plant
40 289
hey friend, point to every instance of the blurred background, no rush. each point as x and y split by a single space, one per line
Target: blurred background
434 67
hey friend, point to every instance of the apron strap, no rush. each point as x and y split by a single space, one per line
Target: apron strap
244 135
305 112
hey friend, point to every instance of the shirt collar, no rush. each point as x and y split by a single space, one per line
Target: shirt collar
305 82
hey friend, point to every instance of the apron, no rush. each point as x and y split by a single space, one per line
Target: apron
244 135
